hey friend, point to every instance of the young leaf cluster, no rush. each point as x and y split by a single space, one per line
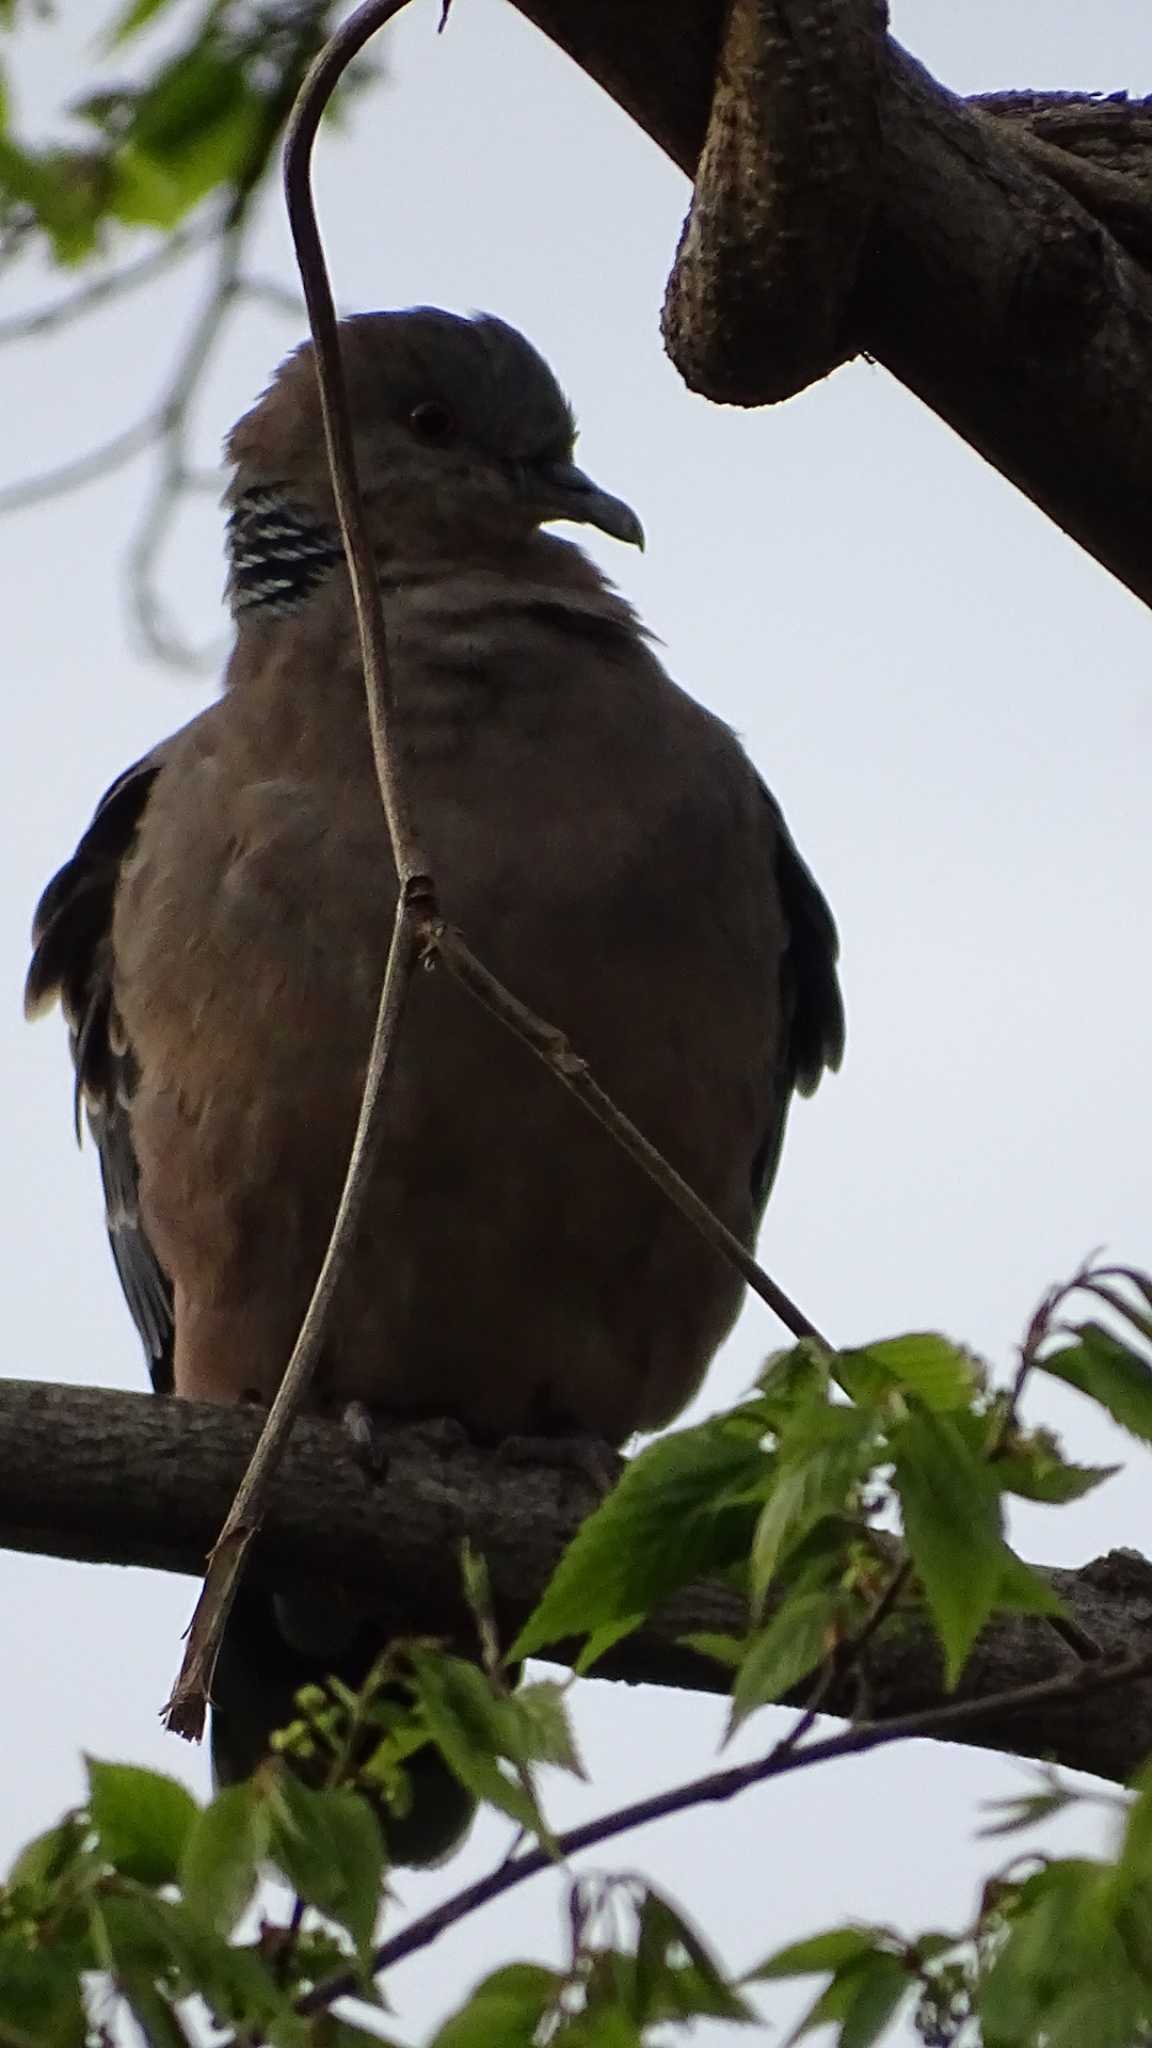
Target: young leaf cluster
784 1494
635 1964
1059 1954
134 1903
145 1901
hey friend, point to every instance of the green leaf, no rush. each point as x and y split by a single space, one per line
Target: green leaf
142 194
781 1518
539 1726
44 1860
222 1855
1133 1919
1105 2015
824 1457
795 1641
685 1506
159 2022
186 100
880 1988
604 2027
951 1519
140 1935
1026 1810
152 189
466 1720
477 1583
329 1846
1061 1937
66 190
940 1374
1119 1379
191 128
144 1938
143 1819
504 2011
722 1649
831 2005
861 1998
829 1951
40 1997
929 1947
676 1977
135 16
1035 1469
1135 1859
791 1380
326 2031
1021 1589
239 1984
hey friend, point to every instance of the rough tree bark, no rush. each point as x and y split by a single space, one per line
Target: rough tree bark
128 1479
1000 278
785 188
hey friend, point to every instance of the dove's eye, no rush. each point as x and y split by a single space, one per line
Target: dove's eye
432 420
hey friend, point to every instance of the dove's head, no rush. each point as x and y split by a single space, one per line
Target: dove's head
463 443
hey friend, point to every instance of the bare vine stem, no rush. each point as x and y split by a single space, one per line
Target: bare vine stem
185 1710
418 931
187 1707
551 1045
318 87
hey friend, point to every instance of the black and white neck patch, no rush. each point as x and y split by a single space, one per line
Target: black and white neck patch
278 554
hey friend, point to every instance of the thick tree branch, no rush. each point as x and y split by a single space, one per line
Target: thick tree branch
129 1479
768 261
985 286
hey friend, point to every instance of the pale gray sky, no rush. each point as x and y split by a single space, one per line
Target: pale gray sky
954 706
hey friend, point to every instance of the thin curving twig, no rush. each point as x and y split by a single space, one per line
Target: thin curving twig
185 1711
415 901
317 89
45 319
174 473
88 468
551 1045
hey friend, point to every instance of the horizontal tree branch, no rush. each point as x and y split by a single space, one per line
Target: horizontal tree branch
131 1479
986 287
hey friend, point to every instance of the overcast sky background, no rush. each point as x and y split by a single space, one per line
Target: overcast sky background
954 706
